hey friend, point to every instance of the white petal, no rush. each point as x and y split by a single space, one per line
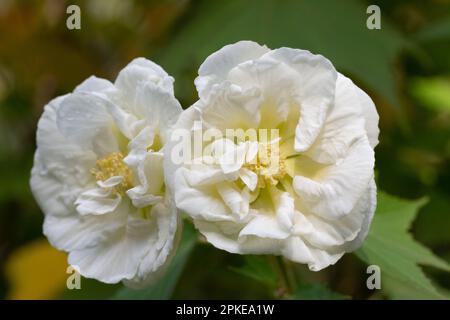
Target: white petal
158 107
94 85
216 67
126 123
231 197
118 257
297 250
199 202
334 190
151 178
343 126
225 236
143 140
110 182
233 159
140 71
366 206
264 226
159 254
252 151
278 84
230 107
53 194
75 232
316 79
249 178
325 234
175 148
97 201
150 172
370 115
221 235
83 119
61 168
144 200
302 225
202 175
285 209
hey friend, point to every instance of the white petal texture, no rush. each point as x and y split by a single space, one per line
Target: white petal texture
98 175
302 185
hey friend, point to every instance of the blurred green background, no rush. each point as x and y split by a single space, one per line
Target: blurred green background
405 68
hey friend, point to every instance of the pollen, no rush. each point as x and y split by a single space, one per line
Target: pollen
113 165
269 166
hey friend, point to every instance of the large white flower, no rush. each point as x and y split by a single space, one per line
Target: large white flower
307 194
98 174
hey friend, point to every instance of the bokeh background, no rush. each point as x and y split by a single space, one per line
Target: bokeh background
405 67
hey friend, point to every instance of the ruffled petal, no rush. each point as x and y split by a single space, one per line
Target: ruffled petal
371 116
264 226
201 202
159 107
232 197
119 256
332 192
216 67
76 232
140 71
84 119
316 79
297 250
231 107
162 248
94 85
366 206
343 126
61 167
150 174
97 201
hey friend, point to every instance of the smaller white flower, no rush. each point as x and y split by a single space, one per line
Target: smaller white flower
98 174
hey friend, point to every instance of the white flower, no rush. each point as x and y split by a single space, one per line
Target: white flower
310 194
98 174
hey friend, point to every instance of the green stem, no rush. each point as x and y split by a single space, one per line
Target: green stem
286 276
282 283
290 274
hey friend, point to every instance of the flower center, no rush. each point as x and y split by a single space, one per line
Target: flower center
113 165
268 165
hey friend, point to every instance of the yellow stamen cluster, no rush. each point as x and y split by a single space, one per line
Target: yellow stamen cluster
113 165
269 166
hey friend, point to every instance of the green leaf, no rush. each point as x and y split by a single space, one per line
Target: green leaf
390 246
431 227
317 291
163 289
258 268
336 29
